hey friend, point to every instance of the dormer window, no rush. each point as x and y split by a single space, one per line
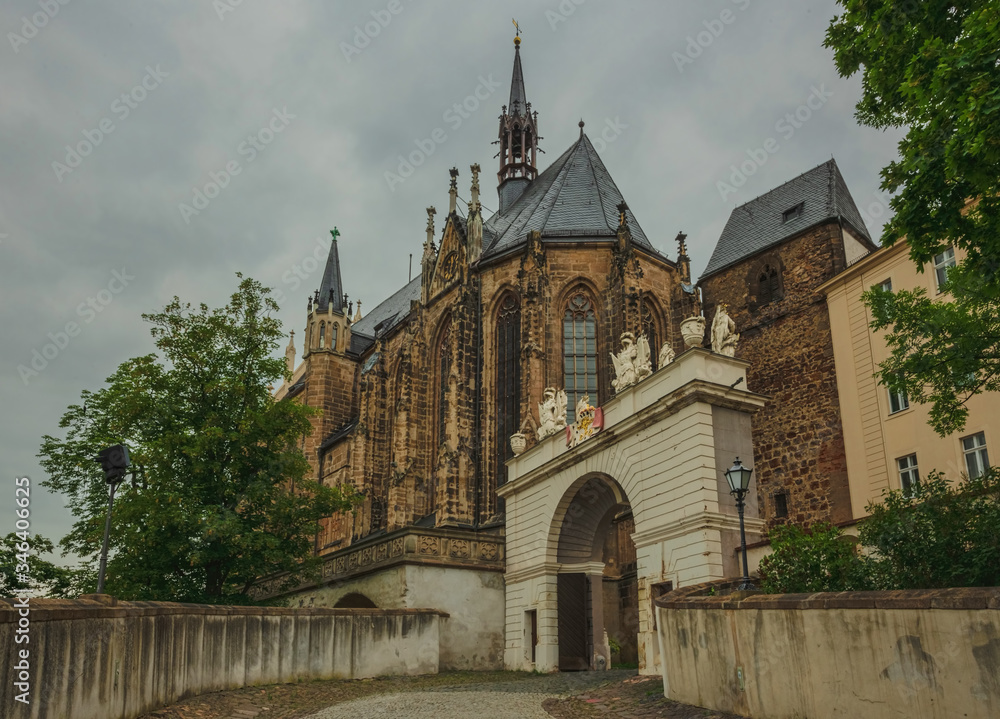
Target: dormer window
792 212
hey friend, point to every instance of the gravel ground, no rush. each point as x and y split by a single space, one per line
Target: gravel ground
451 695
441 705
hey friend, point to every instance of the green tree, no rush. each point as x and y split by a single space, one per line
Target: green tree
42 577
933 67
220 493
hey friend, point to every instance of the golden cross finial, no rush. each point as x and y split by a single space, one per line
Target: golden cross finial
517 28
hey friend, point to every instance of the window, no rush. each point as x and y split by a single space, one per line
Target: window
768 285
909 475
444 370
580 350
885 285
942 263
976 459
781 505
648 329
508 380
322 333
898 401
333 336
792 212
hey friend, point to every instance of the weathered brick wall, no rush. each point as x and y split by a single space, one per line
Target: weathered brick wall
798 436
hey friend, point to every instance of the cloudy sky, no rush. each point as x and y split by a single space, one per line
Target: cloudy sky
154 149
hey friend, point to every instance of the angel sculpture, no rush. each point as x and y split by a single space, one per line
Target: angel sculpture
552 412
724 335
632 363
666 355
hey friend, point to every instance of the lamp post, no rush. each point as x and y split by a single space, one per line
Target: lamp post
738 477
114 461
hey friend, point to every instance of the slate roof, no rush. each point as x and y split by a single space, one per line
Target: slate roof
331 289
390 312
517 85
575 198
757 225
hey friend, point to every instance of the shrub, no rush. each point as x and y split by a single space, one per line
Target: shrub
818 559
939 534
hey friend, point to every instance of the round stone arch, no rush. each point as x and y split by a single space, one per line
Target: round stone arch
597 582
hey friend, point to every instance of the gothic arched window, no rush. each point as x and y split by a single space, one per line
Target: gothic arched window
768 285
322 334
580 350
333 336
508 380
443 371
648 323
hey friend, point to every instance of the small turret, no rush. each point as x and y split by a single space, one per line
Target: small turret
518 139
328 322
429 258
474 226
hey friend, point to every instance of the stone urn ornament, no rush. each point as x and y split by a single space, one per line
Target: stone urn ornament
693 331
518 443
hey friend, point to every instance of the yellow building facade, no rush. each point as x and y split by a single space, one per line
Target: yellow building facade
889 441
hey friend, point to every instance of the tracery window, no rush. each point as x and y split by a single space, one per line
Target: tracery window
322 334
444 370
580 350
508 393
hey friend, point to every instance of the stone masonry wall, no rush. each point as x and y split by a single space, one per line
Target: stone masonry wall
798 436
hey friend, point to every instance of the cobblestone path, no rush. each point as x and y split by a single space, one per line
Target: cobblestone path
454 695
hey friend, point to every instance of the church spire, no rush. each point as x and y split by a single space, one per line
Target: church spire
518 138
331 289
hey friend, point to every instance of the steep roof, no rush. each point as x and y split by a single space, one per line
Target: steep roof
389 313
575 198
331 289
517 85
760 223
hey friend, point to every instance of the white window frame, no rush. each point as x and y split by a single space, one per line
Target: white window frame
977 459
909 474
900 399
942 263
885 285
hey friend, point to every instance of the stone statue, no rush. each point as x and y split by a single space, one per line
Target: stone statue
632 363
666 355
552 412
724 336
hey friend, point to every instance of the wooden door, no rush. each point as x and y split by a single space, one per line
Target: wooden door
572 602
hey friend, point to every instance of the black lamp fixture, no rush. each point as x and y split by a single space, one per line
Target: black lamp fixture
115 463
738 477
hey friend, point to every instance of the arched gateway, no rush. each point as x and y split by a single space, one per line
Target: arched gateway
648 487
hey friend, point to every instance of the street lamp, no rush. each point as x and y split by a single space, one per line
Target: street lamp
738 477
115 462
